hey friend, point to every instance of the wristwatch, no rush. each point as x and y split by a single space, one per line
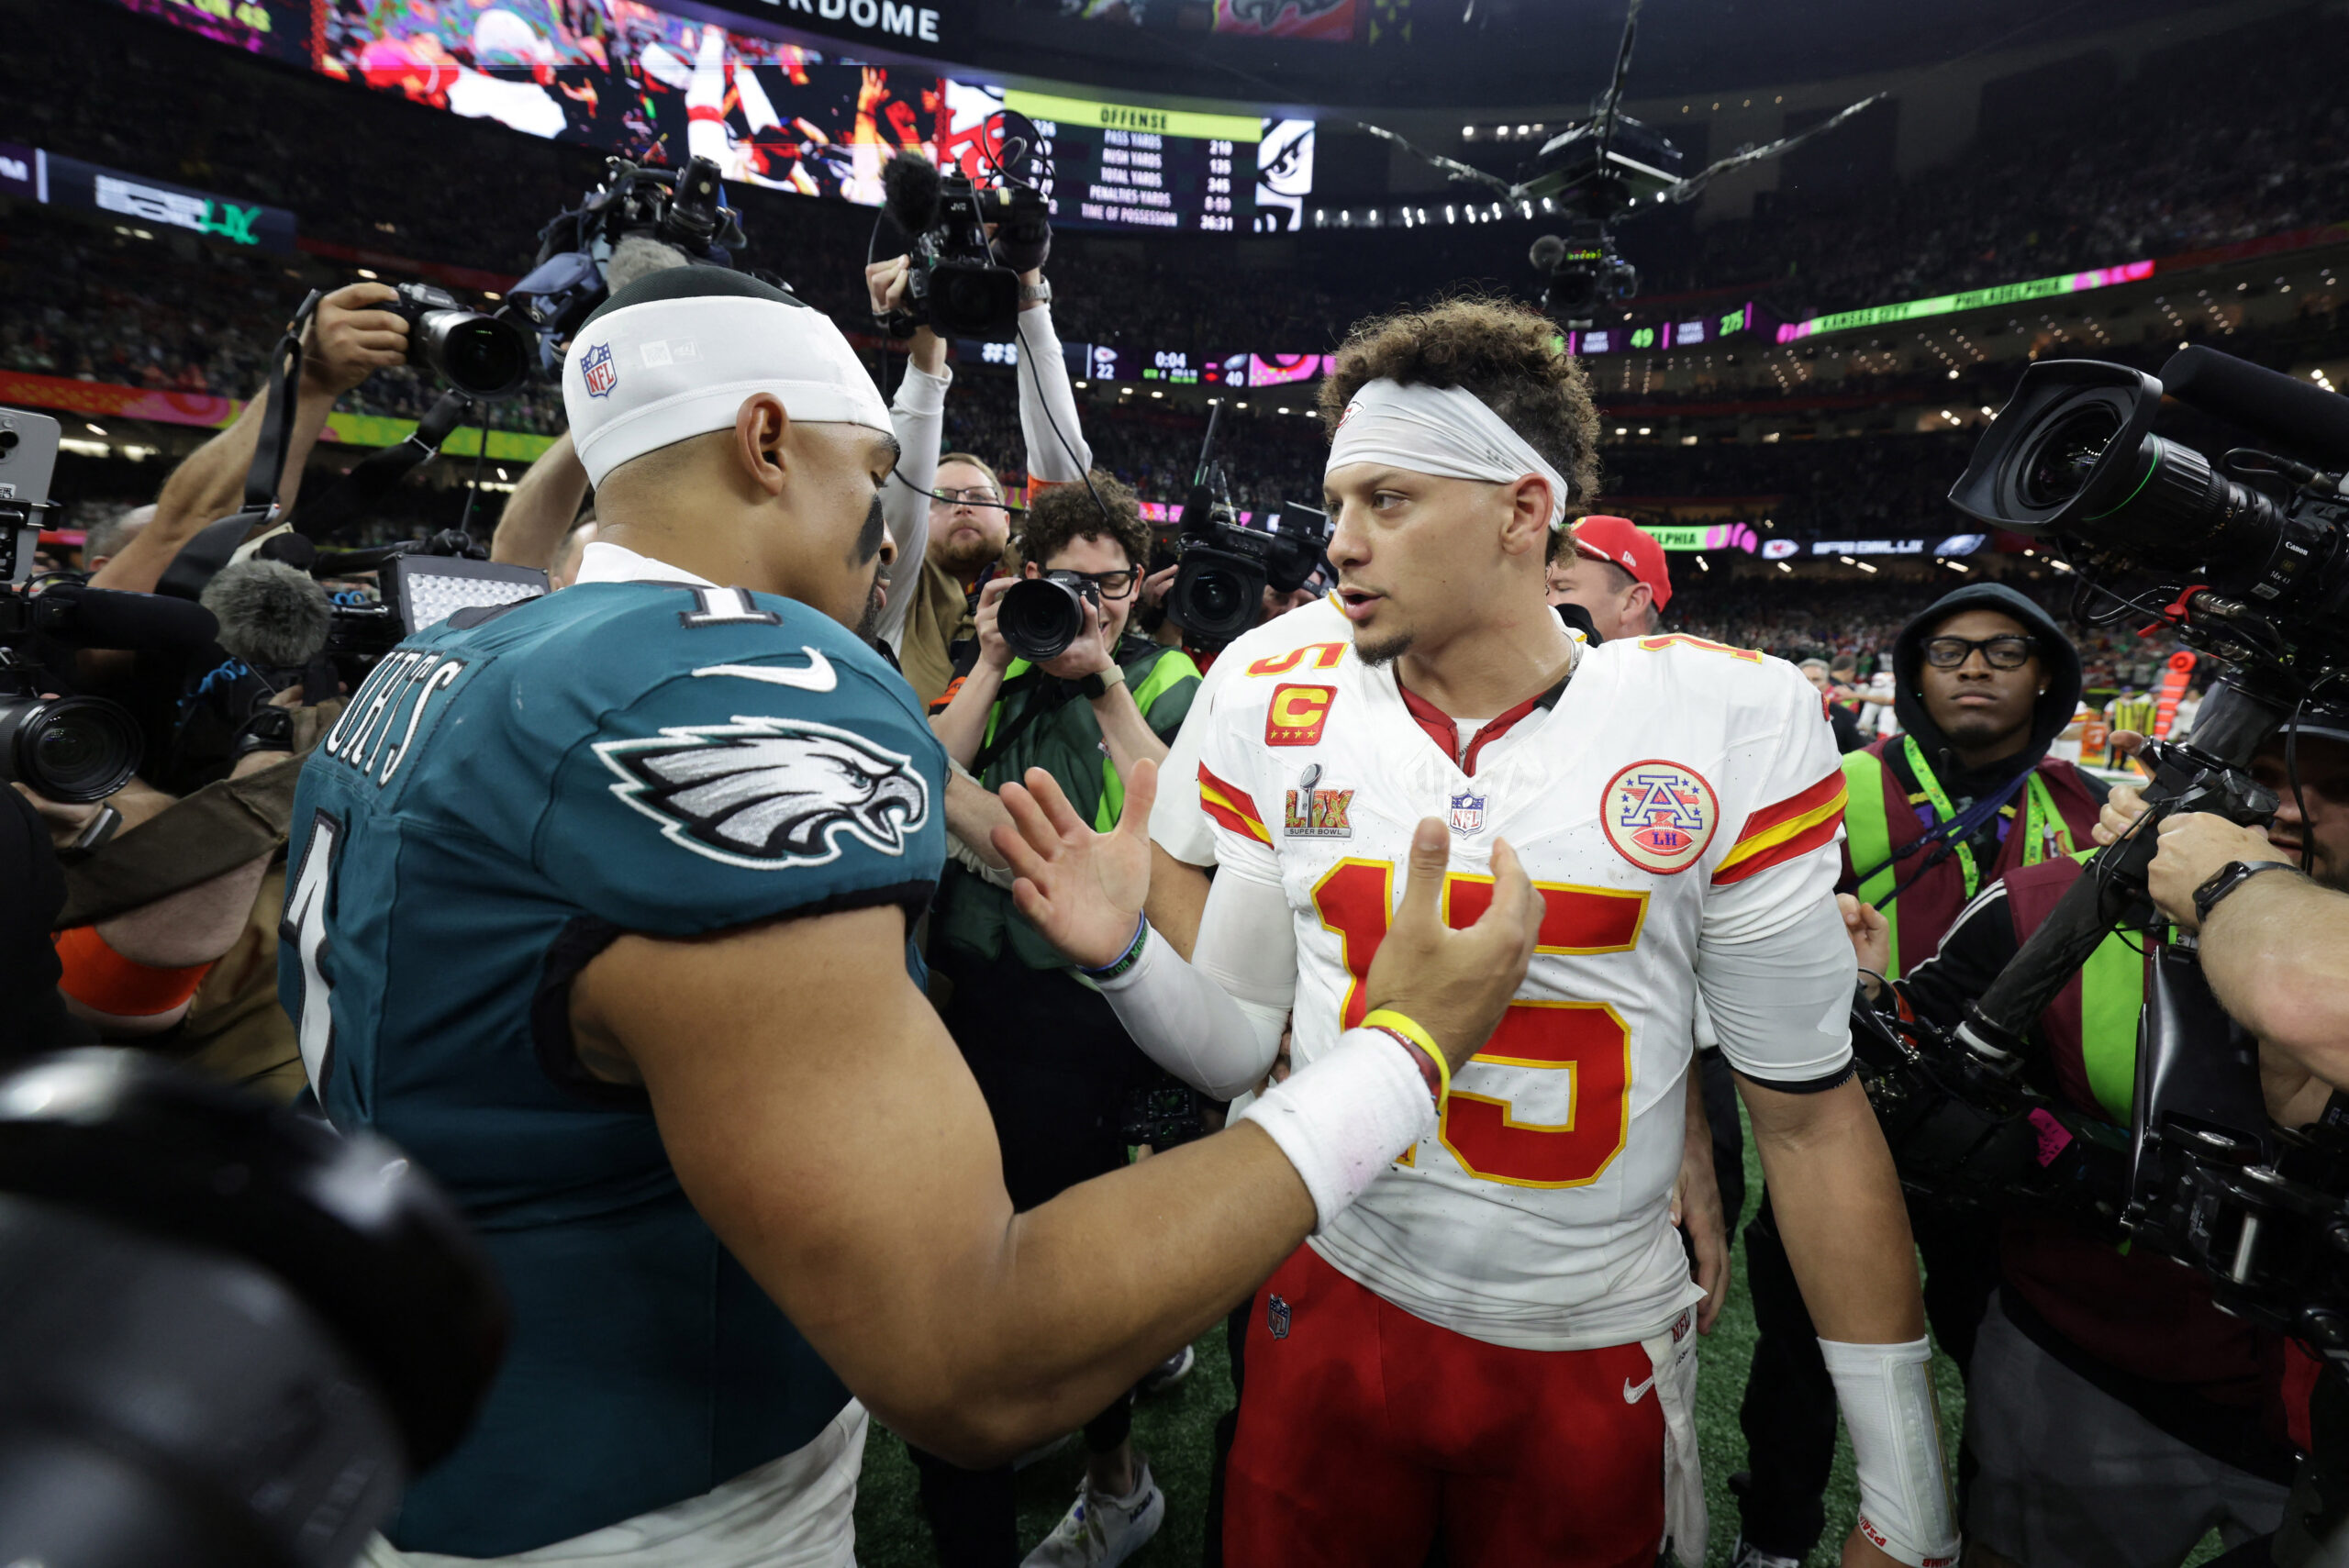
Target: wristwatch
1038 293
2226 879
1097 685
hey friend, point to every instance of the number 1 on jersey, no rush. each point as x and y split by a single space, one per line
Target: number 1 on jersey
1587 1041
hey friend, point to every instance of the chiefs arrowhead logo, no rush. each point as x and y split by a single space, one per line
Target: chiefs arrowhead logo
768 794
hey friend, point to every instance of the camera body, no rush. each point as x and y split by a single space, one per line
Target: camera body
684 210
485 357
1040 617
1584 271
956 287
1225 566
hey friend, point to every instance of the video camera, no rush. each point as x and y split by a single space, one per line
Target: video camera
686 211
2247 558
1584 271
963 284
1223 566
67 748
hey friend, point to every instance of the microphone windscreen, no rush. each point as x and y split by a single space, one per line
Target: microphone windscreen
909 185
104 618
1547 253
272 616
2297 412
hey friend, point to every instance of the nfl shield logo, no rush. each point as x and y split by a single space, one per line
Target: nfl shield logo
1467 813
1277 1317
595 367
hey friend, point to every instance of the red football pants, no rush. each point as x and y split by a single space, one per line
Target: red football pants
1361 1427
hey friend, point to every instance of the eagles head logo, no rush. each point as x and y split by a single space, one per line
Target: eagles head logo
767 794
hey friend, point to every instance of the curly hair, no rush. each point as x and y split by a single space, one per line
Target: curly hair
1060 515
1508 354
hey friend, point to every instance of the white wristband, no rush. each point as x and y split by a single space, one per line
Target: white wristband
1887 1392
1345 1120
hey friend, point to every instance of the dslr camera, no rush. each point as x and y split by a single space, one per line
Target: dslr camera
963 284
1040 617
485 357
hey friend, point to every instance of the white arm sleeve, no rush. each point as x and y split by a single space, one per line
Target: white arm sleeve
1057 453
1780 1003
1216 1022
918 414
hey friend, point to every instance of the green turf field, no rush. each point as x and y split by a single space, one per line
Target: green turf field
1174 1433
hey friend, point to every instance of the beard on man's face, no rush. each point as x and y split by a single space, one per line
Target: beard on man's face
1394 647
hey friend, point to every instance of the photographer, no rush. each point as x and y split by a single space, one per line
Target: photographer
1055 1066
2275 946
347 342
2116 1414
1985 681
967 523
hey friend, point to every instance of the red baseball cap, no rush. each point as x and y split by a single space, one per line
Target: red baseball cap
1629 546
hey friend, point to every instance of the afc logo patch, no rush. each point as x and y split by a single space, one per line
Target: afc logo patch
1296 715
1659 816
596 368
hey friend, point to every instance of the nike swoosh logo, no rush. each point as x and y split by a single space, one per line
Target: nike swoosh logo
1633 1393
816 677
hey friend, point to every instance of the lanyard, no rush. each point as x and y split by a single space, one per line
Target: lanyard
2046 832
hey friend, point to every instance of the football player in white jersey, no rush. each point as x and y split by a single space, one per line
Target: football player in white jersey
1492 1339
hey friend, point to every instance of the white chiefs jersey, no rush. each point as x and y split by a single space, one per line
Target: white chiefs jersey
1673 797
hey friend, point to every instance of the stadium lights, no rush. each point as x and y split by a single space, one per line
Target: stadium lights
1864 567
491 293
1241 404
1080 386
1958 566
1703 564
1621 430
1643 429
1953 375
2059 566
94 429
1282 410
1783 567
1848 561
1450 216
1156 393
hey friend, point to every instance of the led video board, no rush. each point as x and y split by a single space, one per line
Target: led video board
658 86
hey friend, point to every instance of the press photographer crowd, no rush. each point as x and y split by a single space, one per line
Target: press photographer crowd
771 810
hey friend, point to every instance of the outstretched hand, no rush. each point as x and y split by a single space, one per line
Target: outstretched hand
1083 890
1455 983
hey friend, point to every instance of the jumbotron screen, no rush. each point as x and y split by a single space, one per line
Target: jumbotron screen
654 86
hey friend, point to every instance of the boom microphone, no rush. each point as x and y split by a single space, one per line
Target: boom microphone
84 617
2311 418
272 616
910 186
1548 255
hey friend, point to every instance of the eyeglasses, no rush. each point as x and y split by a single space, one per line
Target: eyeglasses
2005 653
1112 584
975 497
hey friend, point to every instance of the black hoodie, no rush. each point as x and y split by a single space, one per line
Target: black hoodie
2056 705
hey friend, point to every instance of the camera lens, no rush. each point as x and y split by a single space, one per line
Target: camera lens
68 749
2056 465
1039 618
479 355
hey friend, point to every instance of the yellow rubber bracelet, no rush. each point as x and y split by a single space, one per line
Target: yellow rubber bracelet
1387 1018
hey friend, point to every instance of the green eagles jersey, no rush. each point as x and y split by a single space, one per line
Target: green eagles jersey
498 802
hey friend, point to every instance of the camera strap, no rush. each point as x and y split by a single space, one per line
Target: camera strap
376 474
2044 825
1040 705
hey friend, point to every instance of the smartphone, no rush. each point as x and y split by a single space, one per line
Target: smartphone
28 459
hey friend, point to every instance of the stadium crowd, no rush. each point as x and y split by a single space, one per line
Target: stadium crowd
897 960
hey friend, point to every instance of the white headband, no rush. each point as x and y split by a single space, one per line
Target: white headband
1445 431
651 375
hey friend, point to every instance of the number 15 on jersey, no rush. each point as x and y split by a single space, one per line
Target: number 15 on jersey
1588 1041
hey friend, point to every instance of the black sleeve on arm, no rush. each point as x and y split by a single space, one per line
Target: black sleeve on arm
32 889
1977 947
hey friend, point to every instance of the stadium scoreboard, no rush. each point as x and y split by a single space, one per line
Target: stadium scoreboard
1132 167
